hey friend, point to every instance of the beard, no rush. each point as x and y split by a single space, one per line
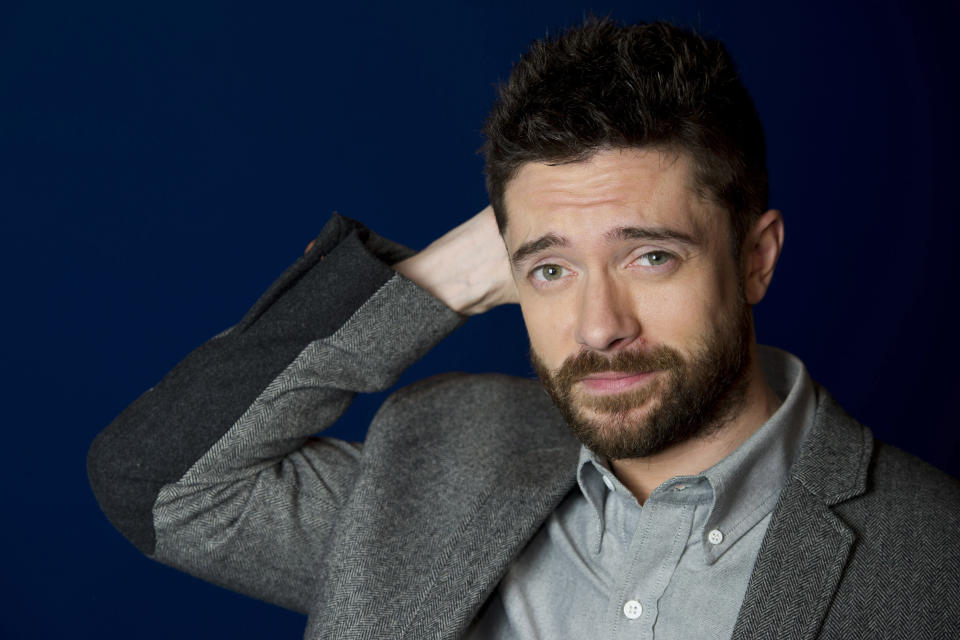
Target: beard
688 398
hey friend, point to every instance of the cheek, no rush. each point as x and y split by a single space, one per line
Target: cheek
666 317
679 315
549 327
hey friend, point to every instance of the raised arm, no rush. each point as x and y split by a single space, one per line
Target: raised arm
215 471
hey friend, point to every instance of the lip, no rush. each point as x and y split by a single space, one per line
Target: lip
615 381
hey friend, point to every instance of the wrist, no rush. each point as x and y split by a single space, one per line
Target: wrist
467 268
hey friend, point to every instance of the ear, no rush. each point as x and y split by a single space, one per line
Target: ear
761 250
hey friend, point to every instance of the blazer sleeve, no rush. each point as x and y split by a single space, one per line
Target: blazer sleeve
215 470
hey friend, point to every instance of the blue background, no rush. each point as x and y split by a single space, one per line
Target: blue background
161 163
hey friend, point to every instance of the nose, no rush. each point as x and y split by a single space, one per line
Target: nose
608 319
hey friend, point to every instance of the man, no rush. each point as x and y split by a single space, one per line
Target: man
712 490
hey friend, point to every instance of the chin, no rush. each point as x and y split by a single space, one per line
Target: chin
618 435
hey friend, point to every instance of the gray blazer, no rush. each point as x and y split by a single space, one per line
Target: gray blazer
215 471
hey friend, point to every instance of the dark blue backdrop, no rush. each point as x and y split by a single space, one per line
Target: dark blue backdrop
161 163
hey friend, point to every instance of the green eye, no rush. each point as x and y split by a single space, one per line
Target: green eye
548 272
655 258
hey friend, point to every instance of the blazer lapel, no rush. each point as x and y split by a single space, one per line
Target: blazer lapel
478 557
797 570
806 546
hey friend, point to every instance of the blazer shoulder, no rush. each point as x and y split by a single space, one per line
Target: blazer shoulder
907 517
874 485
457 384
511 410
900 478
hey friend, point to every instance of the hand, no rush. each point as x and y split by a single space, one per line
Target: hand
467 268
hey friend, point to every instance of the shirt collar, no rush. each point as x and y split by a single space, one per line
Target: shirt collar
746 484
595 480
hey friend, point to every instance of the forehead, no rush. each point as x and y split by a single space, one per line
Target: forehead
617 187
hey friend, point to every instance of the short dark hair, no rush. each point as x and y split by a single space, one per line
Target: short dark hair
604 85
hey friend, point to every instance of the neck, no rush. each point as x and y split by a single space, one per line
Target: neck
642 475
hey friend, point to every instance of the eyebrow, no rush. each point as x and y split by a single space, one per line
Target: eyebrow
551 240
652 233
542 243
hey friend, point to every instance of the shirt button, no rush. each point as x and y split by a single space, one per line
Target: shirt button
607 482
715 536
632 609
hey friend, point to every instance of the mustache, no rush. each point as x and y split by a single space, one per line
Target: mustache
588 363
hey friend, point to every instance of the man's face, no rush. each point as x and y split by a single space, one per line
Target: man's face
632 299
